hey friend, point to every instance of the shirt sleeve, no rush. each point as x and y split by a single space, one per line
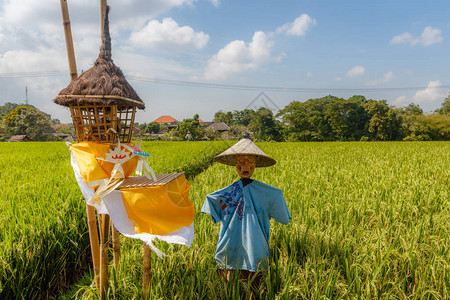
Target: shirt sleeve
212 207
279 210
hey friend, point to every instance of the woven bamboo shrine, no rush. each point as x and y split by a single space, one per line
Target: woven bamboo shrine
112 172
102 103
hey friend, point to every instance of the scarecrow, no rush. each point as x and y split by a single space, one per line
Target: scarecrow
244 209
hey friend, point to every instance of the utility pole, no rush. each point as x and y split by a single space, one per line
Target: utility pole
26 95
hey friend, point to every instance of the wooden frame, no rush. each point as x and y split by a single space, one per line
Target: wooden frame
92 122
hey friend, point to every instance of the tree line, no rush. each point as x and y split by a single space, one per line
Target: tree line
328 118
25 119
332 118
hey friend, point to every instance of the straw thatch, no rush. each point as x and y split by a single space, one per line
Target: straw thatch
102 84
220 126
20 138
245 147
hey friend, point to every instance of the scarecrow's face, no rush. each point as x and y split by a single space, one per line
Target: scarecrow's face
245 165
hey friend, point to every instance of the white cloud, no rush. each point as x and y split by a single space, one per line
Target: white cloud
338 79
386 78
280 57
35 16
428 37
238 57
2 36
399 101
309 74
402 38
168 32
433 93
138 65
216 3
356 71
32 61
37 27
298 27
259 48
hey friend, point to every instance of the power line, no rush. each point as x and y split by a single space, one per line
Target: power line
33 74
273 88
60 73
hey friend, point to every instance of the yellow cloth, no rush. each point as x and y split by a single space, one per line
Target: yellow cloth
157 210
91 169
160 209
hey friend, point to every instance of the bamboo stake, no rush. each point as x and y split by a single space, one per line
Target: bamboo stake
93 238
147 253
69 42
104 246
90 211
115 246
105 219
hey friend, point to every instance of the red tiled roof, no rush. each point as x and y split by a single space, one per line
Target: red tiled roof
165 119
200 121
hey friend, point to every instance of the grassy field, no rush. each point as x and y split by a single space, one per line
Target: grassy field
44 244
369 220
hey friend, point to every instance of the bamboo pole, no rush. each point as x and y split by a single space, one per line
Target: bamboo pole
146 276
90 211
105 218
115 246
69 42
102 17
104 246
93 238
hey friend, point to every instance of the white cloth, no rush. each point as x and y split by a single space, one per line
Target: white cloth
113 205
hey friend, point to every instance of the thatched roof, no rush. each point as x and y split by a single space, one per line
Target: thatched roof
220 126
19 138
104 83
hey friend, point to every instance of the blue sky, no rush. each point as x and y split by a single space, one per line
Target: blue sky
180 55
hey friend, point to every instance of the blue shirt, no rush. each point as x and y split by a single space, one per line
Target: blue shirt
245 213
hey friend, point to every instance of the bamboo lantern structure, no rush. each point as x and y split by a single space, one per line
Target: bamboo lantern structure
102 103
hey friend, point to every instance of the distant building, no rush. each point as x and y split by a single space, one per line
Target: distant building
220 127
64 136
164 130
166 120
136 131
19 138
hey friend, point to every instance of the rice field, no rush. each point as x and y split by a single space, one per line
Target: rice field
369 220
44 244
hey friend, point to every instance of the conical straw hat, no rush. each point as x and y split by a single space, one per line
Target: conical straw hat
245 147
